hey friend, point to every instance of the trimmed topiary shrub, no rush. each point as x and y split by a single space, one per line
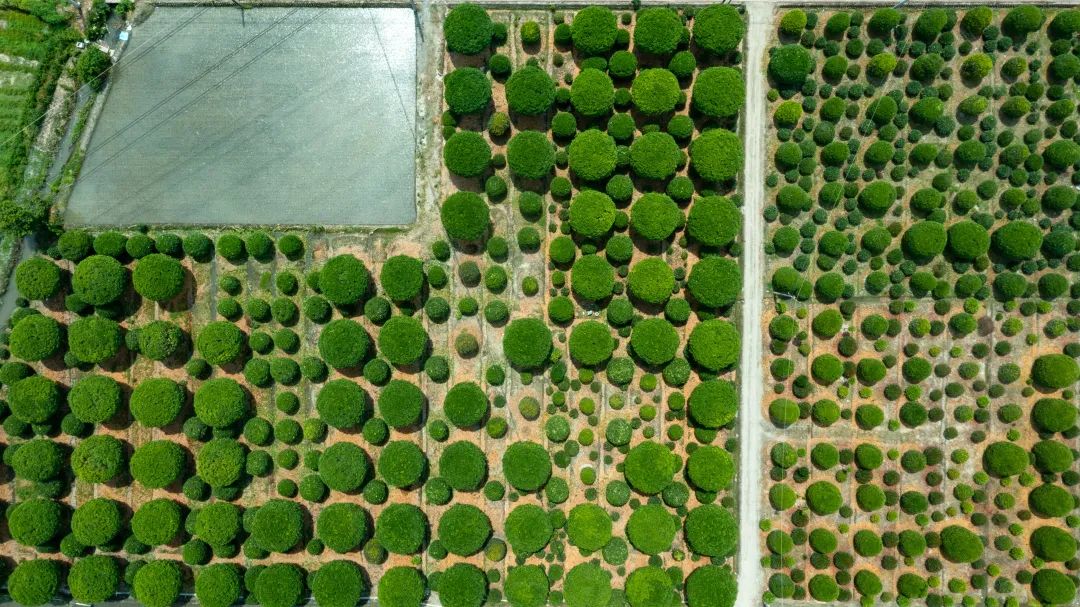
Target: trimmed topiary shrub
402 464
98 459
218 585
344 280
99 280
464 529
344 344
279 585
594 30
93 340
657 31
718 29
711 530
530 91
160 339
654 341
592 155
402 587
651 529
462 585
710 468
651 281
1053 415
655 155
649 587
715 282
968 240
655 91
717 155
35 521
402 278
713 404
591 343
37 278
1054 371
463 466
221 402
528 529
592 214
1053 544
158 277
467 90
526 466
342 404
649 467
156 402
527 343
35 337
401 528
156 522
588 527
344 467
277 525
1003 459
466 405
587 584
157 464
710 586
220 343
34 582
714 345
338 584
655 216
220 462
34 399
718 92
527 586
401 404
467 29
342 527
592 278
93 579
958 545
592 93
530 154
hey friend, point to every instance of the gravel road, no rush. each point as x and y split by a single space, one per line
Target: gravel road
750 430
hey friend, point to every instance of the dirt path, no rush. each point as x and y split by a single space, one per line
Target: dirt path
750 423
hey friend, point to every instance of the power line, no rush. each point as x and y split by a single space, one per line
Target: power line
180 110
152 45
191 82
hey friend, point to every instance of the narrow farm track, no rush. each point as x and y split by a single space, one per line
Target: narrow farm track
750 430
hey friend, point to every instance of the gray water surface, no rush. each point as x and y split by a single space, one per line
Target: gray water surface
289 116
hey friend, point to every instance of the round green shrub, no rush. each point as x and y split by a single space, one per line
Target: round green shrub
717 155
1054 371
655 155
35 337
592 155
592 93
711 530
157 464
34 522
156 522
649 467
462 585
34 582
99 280
221 402
710 468
220 462
530 91
651 529
1003 459
527 586
594 30
718 29
158 277
710 586
714 344
93 579
655 216
654 341
98 459
160 339
463 465
277 525
464 529
401 528
592 214
156 402
527 343
466 405
218 585
526 466
715 282
657 31
220 343
587 584
402 464
467 29
718 92
94 339
592 278
342 527
649 587
528 529
530 155
651 281
958 545
588 527
655 91
591 343
343 280
344 467
403 341
402 278
402 587
467 90
37 278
